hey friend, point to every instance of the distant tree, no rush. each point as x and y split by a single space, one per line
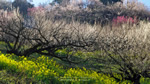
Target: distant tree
57 1
106 2
23 6
6 5
61 2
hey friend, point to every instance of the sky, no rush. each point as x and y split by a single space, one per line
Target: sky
146 2
36 2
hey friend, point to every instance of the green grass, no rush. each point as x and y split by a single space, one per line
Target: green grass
9 78
47 71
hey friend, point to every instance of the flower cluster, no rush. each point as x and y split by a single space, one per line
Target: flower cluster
123 20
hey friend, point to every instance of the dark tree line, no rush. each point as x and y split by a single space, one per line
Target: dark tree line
105 2
23 6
